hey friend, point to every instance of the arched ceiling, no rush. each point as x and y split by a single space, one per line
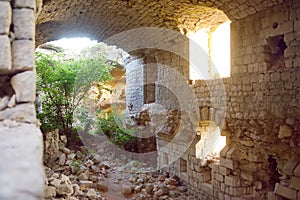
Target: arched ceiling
100 19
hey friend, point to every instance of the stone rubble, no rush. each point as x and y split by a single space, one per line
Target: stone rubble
78 174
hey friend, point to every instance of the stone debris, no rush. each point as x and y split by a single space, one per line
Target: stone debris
75 175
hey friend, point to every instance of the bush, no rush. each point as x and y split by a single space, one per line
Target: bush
63 83
111 128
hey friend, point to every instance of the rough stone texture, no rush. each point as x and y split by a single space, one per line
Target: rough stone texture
125 15
257 108
58 17
24 23
24 86
5 17
5 54
134 87
251 106
21 170
4 102
24 4
22 59
20 113
22 154
285 192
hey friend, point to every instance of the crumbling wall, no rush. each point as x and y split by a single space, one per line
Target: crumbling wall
21 174
257 109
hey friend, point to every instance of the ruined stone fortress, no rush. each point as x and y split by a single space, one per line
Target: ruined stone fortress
257 108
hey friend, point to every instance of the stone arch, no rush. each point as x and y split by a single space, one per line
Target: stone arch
102 19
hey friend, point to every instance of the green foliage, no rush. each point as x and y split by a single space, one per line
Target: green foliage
63 83
114 131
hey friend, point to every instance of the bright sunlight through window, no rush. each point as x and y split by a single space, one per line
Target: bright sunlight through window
210 53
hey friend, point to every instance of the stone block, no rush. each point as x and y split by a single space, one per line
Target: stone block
24 23
289 167
204 176
224 151
237 191
224 170
285 191
207 188
20 113
232 153
22 55
215 167
295 183
233 181
219 177
24 86
5 17
283 28
229 163
5 54
297 170
22 175
85 185
284 131
247 176
271 196
24 4
297 25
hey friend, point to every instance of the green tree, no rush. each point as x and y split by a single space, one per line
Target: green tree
63 83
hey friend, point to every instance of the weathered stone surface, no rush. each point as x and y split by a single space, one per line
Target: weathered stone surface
50 192
285 192
126 190
24 23
21 151
62 159
20 113
102 186
289 167
3 102
22 59
24 86
284 131
5 17
64 189
84 185
24 4
297 170
5 53
92 194
149 188
12 102
295 183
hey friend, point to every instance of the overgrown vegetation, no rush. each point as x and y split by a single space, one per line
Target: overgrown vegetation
62 85
114 131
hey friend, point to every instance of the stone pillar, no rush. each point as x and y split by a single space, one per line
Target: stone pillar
21 168
134 87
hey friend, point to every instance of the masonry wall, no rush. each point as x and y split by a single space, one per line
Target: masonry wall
21 140
134 86
257 109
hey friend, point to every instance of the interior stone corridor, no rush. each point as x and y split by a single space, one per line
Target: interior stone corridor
257 108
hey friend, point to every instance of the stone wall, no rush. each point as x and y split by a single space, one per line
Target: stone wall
134 87
21 174
257 109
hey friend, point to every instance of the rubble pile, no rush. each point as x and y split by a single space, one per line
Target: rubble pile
79 175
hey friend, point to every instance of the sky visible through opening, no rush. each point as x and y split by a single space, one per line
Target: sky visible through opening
74 43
